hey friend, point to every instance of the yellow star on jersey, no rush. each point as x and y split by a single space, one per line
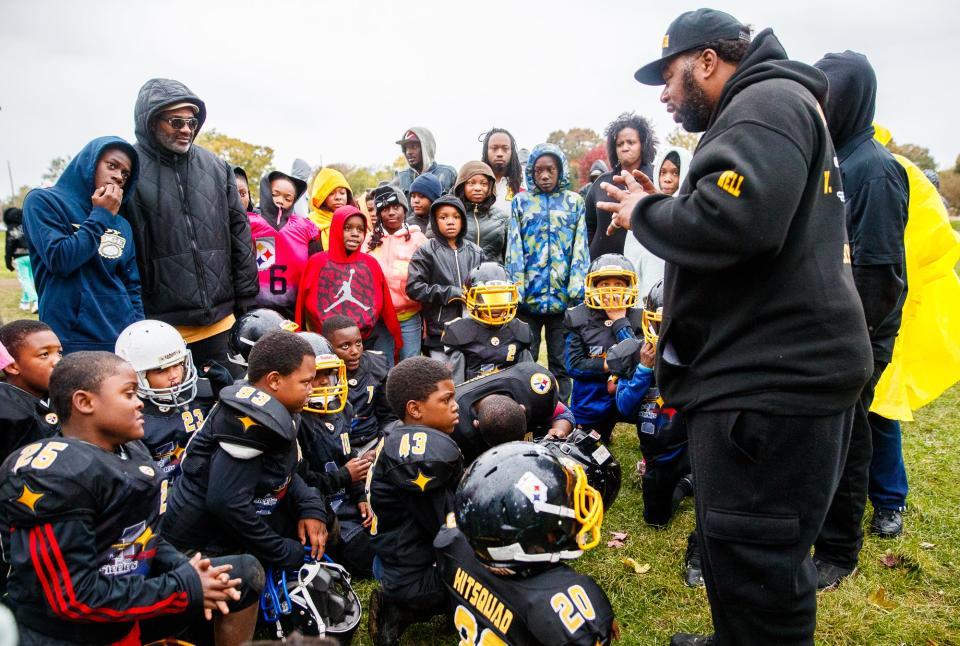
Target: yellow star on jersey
421 480
247 423
29 498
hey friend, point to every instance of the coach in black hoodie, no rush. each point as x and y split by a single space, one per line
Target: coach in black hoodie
763 344
876 192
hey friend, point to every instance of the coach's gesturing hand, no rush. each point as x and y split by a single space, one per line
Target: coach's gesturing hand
637 186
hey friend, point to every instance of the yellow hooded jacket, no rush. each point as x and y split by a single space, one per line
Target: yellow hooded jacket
324 183
926 355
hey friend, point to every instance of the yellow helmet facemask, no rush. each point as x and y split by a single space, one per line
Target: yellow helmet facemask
332 398
612 297
587 508
493 303
651 325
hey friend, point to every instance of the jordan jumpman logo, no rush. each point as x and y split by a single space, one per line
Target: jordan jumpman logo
345 295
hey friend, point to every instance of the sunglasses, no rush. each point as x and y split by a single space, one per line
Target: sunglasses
383 201
179 122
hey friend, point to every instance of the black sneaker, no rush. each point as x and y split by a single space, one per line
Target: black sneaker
829 576
690 639
693 567
385 624
887 523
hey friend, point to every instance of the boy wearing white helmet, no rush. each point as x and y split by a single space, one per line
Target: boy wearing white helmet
176 399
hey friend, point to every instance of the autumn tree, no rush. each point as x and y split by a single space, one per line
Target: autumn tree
253 158
55 170
683 139
361 178
18 198
597 152
917 154
575 144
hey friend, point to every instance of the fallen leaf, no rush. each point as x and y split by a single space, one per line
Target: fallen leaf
619 536
927 546
879 598
890 559
616 544
636 567
930 642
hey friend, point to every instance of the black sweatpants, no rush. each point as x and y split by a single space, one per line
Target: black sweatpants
841 538
215 348
763 486
556 346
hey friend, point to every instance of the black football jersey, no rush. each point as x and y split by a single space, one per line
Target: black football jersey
24 418
410 490
556 607
593 334
81 535
239 489
366 392
167 429
325 442
527 383
486 348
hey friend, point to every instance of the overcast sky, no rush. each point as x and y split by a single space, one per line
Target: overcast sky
340 82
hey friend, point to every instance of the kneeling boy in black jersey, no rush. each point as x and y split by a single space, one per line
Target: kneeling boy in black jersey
410 489
80 515
520 511
239 489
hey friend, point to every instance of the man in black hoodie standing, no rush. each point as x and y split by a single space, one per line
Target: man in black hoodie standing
763 345
876 192
194 249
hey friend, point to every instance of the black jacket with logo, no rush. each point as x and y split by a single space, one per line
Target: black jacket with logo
760 309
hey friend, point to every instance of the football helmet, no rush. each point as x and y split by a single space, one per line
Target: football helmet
610 265
155 345
248 329
331 398
317 600
586 449
653 313
518 504
490 295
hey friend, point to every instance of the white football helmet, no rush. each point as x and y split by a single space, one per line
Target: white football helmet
155 345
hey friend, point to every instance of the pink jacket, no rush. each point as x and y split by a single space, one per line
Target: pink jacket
394 255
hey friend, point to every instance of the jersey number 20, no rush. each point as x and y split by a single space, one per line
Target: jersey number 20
573 608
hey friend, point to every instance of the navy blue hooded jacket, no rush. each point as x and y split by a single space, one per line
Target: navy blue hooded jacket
83 257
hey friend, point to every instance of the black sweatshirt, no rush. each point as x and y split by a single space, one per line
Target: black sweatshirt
760 308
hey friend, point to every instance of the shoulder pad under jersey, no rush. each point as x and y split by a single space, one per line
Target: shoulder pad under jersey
255 407
419 458
458 331
375 364
576 317
521 331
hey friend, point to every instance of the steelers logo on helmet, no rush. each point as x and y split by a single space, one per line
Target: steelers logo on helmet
540 383
153 347
611 283
518 504
490 296
248 329
653 313
329 392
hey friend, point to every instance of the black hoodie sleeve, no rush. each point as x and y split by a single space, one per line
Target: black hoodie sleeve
242 256
746 173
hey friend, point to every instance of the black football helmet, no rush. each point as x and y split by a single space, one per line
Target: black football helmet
610 265
586 449
333 397
490 295
316 601
248 329
518 505
653 313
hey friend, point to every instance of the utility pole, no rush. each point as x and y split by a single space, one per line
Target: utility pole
10 175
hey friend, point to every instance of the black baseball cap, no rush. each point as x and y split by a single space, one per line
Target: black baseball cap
689 31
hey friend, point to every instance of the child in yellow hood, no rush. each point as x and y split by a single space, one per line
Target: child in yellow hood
330 192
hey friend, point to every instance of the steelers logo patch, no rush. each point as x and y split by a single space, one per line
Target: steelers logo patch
51 418
540 383
147 471
494 341
352 382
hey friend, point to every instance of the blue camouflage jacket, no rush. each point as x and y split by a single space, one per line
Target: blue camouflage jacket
547 253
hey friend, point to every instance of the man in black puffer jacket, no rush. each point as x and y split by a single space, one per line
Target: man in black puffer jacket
194 248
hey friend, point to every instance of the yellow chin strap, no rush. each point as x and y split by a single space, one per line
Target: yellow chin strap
588 509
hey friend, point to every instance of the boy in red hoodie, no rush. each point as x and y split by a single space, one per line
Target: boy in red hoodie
344 280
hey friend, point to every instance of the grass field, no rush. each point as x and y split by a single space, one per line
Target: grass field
915 602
